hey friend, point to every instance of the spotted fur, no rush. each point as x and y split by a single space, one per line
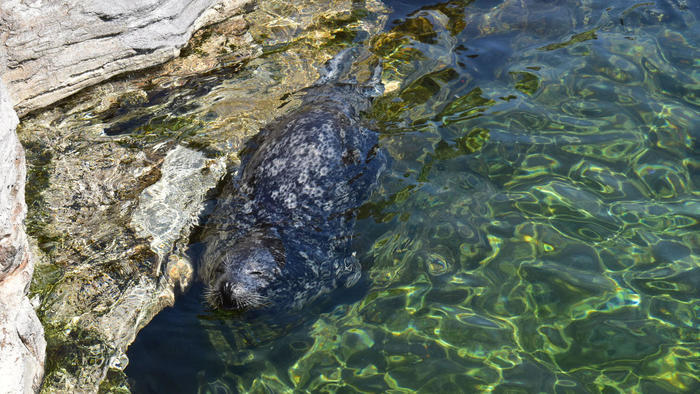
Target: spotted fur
281 233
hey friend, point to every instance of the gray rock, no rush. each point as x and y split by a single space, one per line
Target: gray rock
169 208
54 49
98 276
22 344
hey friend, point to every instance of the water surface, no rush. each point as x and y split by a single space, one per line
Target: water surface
536 232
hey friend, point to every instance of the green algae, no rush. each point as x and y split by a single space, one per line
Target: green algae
576 38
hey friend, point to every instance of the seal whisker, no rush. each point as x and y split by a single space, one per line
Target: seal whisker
212 296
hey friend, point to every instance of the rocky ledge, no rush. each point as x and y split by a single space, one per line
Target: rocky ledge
54 49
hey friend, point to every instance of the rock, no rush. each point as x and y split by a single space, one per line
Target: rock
100 281
54 49
98 276
171 206
22 344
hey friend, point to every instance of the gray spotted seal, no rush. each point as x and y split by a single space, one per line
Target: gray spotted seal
281 232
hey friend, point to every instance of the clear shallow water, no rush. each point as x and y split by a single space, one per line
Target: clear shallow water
537 231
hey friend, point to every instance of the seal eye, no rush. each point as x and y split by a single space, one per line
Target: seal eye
262 275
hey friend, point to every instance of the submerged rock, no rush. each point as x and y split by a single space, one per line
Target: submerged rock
169 208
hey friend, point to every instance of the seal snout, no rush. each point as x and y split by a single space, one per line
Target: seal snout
244 292
238 296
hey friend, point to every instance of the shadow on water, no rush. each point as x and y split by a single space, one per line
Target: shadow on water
140 116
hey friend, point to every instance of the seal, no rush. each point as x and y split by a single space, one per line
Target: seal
281 232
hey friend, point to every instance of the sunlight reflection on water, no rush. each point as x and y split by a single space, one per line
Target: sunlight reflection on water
538 229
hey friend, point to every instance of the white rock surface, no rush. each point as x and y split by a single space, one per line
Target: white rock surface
22 344
172 204
50 50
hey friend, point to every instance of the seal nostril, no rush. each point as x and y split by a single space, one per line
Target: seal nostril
226 300
225 288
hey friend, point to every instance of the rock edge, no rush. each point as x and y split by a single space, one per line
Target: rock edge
47 58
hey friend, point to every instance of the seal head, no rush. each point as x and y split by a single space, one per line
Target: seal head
248 270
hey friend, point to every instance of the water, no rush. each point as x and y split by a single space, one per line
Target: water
537 230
